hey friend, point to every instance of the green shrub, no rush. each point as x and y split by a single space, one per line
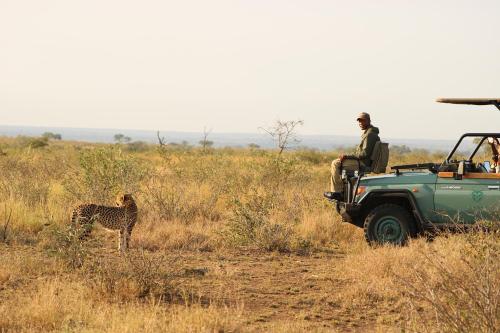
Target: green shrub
50 135
259 219
67 243
103 173
248 217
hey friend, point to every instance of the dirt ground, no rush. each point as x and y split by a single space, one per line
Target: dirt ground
271 290
275 289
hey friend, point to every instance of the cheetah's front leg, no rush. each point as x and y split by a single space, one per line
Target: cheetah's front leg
123 240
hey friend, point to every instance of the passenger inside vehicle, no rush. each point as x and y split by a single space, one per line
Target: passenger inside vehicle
495 147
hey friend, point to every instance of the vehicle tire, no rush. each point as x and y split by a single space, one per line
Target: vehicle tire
389 224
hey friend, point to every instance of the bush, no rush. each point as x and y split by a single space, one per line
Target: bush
449 285
103 173
35 143
274 237
261 219
67 243
463 295
50 135
137 146
248 217
135 275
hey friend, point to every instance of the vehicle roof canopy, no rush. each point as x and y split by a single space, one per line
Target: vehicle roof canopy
471 101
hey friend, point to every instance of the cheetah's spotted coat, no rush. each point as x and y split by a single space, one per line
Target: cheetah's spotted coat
123 218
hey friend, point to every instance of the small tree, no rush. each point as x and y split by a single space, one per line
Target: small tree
284 133
50 135
161 139
120 138
205 143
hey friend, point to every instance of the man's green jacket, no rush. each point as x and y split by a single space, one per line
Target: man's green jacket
365 149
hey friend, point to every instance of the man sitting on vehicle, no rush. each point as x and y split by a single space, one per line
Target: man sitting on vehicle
361 158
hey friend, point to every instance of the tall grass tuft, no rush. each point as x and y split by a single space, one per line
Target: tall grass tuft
463 294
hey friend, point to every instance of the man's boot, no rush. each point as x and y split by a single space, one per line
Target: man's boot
334 196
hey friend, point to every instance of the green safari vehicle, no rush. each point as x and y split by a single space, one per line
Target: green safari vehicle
419 198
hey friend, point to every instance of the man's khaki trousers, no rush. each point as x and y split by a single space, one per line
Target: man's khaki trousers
336 180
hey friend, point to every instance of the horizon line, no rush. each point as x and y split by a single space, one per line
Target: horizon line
211 132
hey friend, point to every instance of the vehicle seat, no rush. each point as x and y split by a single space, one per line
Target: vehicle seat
380 158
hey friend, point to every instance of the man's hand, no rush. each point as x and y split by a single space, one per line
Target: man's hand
342 157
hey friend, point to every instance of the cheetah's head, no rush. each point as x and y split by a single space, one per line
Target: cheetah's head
124 199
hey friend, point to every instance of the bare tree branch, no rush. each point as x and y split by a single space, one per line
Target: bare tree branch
205 143
284 133
161 140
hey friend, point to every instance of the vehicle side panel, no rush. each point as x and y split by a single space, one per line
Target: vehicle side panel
421 186
466 200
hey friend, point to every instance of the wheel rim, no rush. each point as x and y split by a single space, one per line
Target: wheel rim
388 229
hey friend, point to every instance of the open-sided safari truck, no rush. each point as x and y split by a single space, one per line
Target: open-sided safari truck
416 198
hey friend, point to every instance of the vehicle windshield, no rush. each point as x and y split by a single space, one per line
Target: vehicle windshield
486 152
465 149
480 151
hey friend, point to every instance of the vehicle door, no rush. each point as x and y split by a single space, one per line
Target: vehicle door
476 196
472 193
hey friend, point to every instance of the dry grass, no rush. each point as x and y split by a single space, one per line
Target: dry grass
62 305
449 285
175 235
227 240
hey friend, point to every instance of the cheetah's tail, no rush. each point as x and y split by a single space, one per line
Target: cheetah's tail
74 216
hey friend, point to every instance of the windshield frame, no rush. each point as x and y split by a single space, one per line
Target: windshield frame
483 137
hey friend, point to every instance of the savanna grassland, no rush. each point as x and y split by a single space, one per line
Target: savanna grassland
228 240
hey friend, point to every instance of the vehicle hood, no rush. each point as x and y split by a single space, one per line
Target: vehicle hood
411 177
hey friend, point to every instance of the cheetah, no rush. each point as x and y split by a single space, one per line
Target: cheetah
123 218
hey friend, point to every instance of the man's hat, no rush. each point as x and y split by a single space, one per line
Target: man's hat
363 115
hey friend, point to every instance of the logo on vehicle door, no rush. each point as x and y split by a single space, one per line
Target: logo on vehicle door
477 196
451 187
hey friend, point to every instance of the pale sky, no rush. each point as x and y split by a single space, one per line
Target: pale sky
234 66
